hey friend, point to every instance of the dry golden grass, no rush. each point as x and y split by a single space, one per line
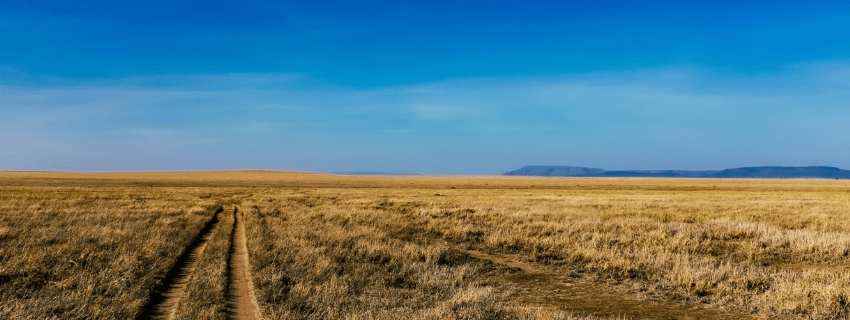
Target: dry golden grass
772 248
90 253
326 246
319 264
206 292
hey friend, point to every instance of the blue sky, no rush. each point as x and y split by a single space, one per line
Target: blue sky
456 87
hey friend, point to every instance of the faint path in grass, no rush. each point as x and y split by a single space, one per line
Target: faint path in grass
164 299
538 285
241 300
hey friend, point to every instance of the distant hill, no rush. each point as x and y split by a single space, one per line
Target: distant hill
655 173
784 172
750 172
553 171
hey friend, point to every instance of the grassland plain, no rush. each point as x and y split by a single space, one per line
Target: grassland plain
90 253
326 246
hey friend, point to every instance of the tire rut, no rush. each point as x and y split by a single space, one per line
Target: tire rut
539 285
164 299
242 302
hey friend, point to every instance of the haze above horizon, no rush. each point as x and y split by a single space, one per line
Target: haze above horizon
433 87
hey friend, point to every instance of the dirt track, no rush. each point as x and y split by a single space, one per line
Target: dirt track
538 285
241 301
532 284
164 299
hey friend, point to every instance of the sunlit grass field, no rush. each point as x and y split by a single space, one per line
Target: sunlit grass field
93 245
90 252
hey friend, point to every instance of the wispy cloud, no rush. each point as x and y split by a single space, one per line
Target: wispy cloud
442 111
667 117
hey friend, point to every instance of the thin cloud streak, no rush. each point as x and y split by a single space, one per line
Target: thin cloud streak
663 118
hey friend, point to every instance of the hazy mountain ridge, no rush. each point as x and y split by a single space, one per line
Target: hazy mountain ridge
745 172
553 171
655 173
784 172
